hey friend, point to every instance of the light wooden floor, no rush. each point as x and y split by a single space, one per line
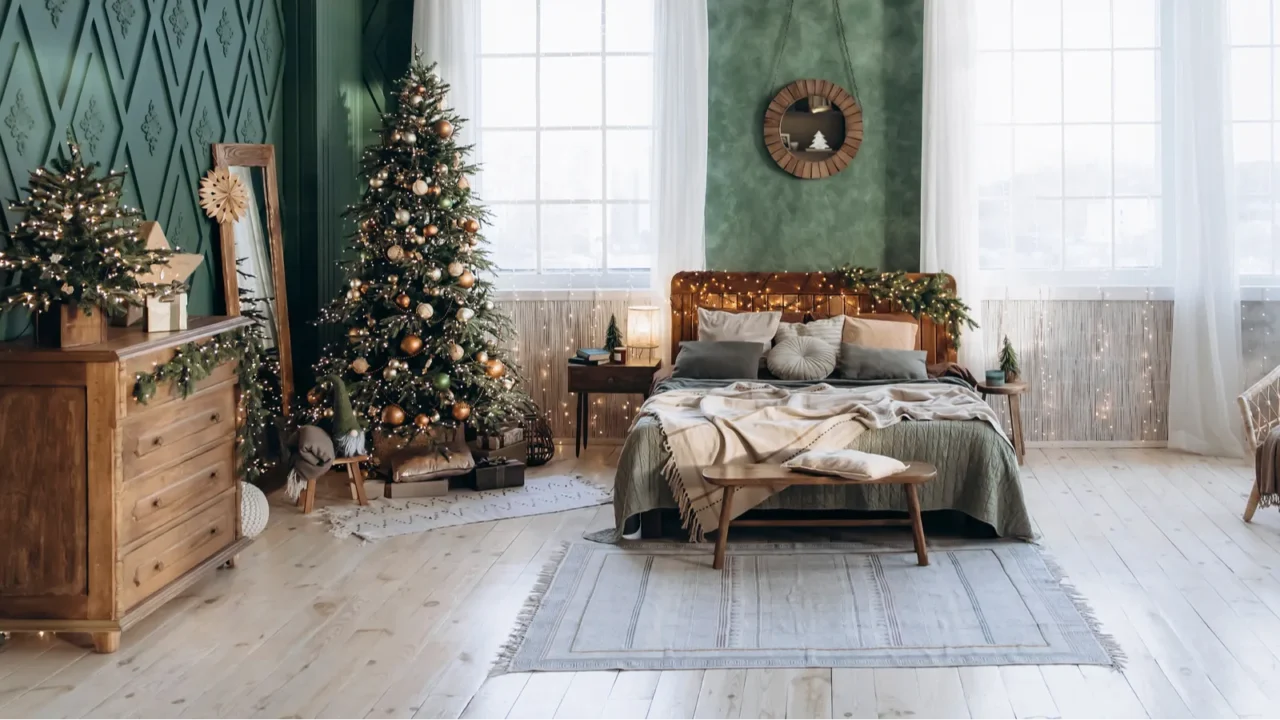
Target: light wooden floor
311 626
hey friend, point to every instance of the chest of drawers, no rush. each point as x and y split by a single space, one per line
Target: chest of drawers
110 507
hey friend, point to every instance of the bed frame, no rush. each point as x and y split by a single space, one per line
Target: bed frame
798 295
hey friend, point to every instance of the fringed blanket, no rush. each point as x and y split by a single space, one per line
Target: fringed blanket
757 423
1265 466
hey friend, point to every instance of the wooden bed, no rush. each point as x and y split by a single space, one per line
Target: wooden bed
798 295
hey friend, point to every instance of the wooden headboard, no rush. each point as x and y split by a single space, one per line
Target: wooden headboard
816 294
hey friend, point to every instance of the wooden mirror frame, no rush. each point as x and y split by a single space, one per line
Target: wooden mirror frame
228 155
813 169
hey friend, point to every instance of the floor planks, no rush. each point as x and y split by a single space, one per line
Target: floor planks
312 626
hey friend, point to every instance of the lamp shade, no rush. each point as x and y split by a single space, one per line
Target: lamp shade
642 326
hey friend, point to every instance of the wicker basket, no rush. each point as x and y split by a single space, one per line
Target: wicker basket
537 432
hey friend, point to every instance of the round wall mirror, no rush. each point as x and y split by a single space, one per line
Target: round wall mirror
813 128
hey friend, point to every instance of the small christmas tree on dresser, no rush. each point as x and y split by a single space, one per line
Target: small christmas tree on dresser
423 339
76 244
613 338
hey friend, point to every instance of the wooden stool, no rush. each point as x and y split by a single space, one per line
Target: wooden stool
1013 391
354 475
732 477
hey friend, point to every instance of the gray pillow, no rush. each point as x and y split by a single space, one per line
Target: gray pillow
706 360
859 362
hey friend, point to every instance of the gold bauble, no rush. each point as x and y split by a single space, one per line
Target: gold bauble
482 357
463 184
456 352
354 334
433 190
431 231
471 225
456 268
315 396
328 412
419 187
392 415
395 252
443 128
403 301
424 311
440 169
360 366
434 274
421 420
461 411
496 369
467 279
402 217
353 294
411 344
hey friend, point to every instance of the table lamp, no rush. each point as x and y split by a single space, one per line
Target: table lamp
642 327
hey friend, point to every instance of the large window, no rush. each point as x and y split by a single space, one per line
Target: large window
1069 155
1254 124
565 113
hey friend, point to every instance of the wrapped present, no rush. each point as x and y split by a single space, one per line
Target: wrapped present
514 451
498 474
501 439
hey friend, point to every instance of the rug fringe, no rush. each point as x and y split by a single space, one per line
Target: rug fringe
507 652
1118 656
339 519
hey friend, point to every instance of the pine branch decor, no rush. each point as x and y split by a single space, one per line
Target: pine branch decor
196 361
77 243
928 296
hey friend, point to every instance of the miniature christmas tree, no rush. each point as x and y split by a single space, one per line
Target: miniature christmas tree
612 336
1009 361
76 242
423 338
819 142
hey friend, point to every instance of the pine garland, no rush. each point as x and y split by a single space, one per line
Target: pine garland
928 296
196 361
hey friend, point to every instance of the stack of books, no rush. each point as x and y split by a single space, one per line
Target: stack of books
590 356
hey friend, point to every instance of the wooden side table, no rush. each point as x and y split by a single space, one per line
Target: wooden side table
732 477
1014 392
631 378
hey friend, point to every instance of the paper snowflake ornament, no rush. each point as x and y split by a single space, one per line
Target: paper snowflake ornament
819 142
223 196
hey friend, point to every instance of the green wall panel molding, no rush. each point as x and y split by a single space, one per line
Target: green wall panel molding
761 218
143 83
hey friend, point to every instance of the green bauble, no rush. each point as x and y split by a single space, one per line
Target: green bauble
446 203
441 381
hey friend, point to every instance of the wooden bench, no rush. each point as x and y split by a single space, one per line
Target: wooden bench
732 477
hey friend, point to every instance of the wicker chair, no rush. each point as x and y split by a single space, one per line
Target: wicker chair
1260 406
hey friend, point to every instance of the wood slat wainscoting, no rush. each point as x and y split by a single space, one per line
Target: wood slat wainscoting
1099 370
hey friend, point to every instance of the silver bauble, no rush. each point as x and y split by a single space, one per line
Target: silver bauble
456 268
424 311
415 100
395 252
420 187
402 217
465 314
409 137
354 282
488 304
390 373
375 183
456 352
434 274
353 294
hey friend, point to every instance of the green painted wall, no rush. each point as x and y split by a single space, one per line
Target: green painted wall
761 218
144 83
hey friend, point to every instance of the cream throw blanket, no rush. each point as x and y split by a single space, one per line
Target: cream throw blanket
757 423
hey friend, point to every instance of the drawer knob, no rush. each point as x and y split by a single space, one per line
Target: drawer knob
213 531
158 440
213 475
155 503
216 417
159 565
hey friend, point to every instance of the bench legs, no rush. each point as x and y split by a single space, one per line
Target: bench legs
722 535
917 525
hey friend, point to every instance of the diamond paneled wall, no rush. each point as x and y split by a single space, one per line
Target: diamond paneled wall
147 84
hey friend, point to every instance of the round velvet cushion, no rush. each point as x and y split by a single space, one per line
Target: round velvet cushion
801 358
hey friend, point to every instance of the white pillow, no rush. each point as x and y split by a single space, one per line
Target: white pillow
851 464
720 326
802 358
829 330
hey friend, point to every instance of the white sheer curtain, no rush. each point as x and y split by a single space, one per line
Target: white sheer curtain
678 179
448 33
1207 369
949 177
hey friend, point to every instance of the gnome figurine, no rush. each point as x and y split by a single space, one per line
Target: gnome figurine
348 436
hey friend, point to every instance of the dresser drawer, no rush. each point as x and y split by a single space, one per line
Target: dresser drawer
157 438
157 499
163 559
167 393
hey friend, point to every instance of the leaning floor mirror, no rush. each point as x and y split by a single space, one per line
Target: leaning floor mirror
253 253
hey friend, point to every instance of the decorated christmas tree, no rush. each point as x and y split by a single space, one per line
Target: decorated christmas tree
76 243
423 340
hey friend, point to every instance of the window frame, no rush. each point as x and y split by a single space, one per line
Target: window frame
540 278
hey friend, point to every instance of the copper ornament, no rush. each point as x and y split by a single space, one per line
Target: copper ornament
443 128
467 279
411 344
403 301
392 415
461 411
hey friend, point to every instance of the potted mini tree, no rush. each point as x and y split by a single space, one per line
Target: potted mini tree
1009 361
613 342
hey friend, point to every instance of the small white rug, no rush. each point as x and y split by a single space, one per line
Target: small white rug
384 518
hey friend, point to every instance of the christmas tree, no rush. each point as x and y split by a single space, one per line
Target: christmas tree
612 336
1009 361
423 338
76 242
819 142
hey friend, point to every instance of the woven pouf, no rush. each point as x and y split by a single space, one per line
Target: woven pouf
253 510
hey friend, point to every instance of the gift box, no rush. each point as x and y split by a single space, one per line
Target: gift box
501 439
515 451
498 475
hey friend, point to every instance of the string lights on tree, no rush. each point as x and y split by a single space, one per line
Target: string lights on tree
424 340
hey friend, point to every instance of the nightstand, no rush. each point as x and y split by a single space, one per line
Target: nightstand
1013 391
630 378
